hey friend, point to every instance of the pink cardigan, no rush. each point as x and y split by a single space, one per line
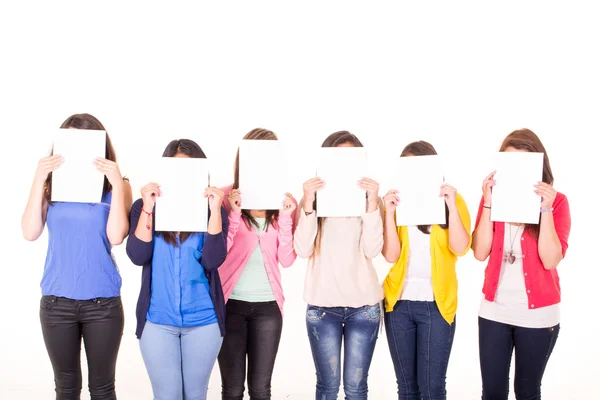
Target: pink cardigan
276 243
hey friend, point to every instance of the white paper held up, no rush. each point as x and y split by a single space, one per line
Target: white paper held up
78 180
513 196
341 168
181 206
418 181
263 174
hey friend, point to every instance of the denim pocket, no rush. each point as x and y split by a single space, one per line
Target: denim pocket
47 302
110 303
372 313
314 314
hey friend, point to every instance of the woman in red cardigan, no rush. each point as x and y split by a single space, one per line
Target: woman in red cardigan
520 308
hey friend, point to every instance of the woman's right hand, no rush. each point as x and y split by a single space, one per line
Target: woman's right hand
149 194
486 188
391 201
311 187
235 200
47 165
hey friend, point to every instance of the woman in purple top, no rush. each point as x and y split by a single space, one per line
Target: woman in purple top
81 284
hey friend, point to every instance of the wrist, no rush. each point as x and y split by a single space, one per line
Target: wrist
40 180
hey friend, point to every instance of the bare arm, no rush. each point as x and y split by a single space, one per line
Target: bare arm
391 241
483 234
549 247
459 223
484 227
34 216
555 226
117 227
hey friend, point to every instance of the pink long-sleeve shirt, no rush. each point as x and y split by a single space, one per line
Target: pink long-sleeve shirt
276 244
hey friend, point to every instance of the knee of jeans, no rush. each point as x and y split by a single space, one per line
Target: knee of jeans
356 382
103 392
232 392
68 386
531 392
261 393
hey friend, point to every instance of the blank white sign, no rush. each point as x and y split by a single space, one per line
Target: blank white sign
181 206
513 196
341 168
418 181
263 174
78 180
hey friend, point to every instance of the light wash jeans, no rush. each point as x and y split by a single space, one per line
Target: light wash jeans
356 328
179 360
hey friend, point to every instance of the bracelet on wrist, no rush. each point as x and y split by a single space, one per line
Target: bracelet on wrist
488 207
543 210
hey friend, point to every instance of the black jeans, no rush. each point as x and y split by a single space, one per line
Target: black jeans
100 323
532 351
253 330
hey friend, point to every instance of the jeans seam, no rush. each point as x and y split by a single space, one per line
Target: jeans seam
395 338
428 363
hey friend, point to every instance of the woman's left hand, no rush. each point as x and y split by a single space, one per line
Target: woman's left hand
547 192
110 169
372 189
215 198
448 192
289 205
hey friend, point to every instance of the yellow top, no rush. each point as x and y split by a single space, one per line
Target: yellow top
443 266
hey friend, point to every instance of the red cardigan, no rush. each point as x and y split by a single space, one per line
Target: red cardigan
543 286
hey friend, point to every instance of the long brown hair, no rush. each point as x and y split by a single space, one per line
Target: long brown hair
423 148
525 139
271 215
89 122
333 140
192 150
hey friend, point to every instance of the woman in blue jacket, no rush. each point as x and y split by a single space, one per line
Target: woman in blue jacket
180 310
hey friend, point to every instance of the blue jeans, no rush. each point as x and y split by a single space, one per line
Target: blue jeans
532 347
358 327
179 360
420 342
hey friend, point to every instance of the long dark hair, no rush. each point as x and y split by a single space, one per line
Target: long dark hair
423 148
333 140
84 122
271 215
192 150
525 139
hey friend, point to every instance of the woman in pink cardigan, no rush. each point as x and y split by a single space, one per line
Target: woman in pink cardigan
257 242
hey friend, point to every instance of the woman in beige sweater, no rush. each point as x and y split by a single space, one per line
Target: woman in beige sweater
341 286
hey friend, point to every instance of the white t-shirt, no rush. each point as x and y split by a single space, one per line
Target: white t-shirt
417 283
511 305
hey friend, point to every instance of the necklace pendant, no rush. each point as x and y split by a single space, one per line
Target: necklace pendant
511 258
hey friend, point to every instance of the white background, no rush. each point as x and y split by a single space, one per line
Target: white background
460 75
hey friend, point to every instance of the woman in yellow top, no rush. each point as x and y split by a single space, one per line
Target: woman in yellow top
421 290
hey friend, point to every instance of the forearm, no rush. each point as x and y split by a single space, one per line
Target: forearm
372 205
458 235
215 223
391 242
306 233
483 235
372 234
549 246
285 238
142 232
117 226
32 222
